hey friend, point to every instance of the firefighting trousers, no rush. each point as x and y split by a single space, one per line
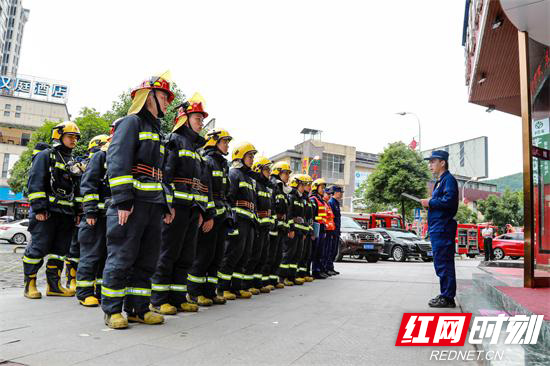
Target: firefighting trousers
73 257
292 253
203 275
319 252
443 247
177 250
332 241
305 261
93 253
275 254
235 258
51 237
132 253
258 259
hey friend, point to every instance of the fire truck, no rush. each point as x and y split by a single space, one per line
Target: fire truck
376 219
469 240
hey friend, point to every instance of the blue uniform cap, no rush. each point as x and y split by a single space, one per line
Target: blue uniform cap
438 154
335 189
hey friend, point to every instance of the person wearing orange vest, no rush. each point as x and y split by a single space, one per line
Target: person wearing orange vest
331 236
320 219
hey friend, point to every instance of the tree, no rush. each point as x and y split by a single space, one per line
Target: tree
465 215
400 170
90 124
506 209
121 106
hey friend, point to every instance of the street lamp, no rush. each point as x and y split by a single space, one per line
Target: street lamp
473 179
419 131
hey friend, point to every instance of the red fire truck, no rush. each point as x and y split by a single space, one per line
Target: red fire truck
469 240
376 219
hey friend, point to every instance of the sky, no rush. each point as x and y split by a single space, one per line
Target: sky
267 69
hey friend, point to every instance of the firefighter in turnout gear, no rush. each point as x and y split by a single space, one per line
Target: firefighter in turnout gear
139 203
242 197
293 245
280 174
51 188
192 200
96 193
203 278
320 217
304 265
259 265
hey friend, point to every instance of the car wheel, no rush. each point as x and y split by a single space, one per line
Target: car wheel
471 255
427 259
356 256
339 256
515 257
398 254
19 239
372 258
498 253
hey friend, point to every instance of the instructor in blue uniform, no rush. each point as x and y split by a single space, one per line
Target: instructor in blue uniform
442 208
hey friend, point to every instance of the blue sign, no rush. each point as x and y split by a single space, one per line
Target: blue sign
417 215
31 87
6 194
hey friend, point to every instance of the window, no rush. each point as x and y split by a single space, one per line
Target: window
25 138
18 108
5 165
333 166
17 115
8 106
6 113
296 165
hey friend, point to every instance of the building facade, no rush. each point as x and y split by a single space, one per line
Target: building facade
13 19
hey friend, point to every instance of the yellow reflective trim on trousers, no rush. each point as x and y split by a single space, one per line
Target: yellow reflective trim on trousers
109 292
159 287
265 278
273 277
196 279
303 269
147 186
149 136
212 279
217 173
238 275
60 202
55 256
248 277
187 153
123 179
257 275
74 260
31 260
36 195
224 276
136 291
243 212
234 232
284 266
179 288
274 233
60 166
293 266
91 197
85 283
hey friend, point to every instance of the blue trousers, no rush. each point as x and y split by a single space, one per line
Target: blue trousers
443 247
332 242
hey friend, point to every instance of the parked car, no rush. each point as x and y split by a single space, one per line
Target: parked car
16 232
6 219
401 245
508 244
356 241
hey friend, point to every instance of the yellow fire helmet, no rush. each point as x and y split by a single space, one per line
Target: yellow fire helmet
139 94
63 128
240 150
260 163
307 178
98 141
280 167
317 183
213 136
297 179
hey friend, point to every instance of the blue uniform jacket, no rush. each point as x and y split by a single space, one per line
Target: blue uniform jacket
335 206
443 205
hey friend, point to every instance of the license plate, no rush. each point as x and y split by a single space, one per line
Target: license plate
368 246
430 254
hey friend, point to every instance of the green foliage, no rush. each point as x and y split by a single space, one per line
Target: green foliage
401 170
512 182
506 209
465 215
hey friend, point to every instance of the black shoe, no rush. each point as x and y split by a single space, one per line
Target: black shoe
443 302
434 300
335 271
319 276
331 273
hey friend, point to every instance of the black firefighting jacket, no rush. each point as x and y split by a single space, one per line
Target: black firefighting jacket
184 170
218 168
297 212
51 187
264 200
94 186
136 147
242 192
308 205
280 203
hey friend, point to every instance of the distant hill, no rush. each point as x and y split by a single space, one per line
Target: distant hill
512 182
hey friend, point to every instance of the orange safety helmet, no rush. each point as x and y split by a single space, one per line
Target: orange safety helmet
194 105
155 82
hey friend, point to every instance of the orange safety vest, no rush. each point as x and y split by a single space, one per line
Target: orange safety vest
321 211
329 222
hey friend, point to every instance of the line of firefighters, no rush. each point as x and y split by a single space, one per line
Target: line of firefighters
167 224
